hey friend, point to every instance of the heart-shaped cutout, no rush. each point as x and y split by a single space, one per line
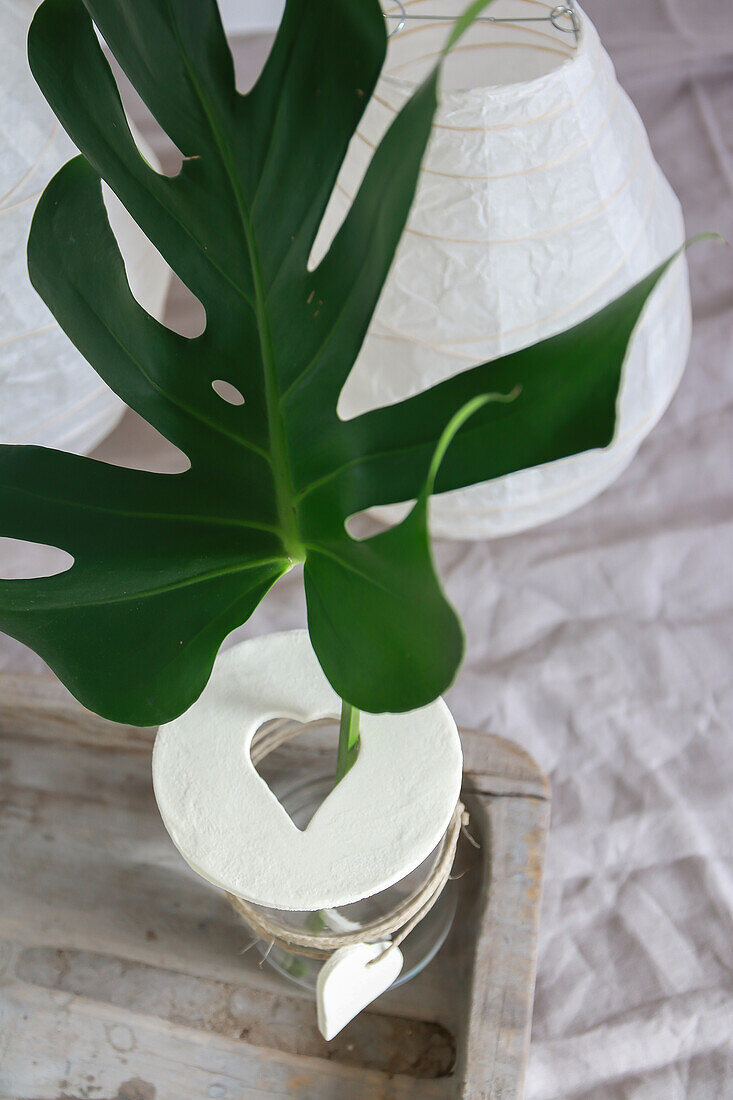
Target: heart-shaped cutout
379 823
300 800
350 980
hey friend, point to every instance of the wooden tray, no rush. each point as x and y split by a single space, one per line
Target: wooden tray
121 973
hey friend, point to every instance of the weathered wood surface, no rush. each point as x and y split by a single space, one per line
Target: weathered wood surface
121 973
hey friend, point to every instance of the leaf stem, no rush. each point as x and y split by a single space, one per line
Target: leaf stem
348 749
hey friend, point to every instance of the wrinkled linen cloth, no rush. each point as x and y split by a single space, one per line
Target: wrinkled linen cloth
603 642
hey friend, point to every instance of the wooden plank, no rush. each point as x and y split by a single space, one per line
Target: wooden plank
498 1012
393 1045
41 707
65 1047
105 927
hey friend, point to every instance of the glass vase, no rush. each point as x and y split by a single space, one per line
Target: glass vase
301 780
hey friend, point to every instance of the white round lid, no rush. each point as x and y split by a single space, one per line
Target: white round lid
380 822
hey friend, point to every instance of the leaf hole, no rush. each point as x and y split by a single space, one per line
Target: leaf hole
252 25
149 135
148 274
299 790
184 312
363 525
154 286
227 392
21 560
137 445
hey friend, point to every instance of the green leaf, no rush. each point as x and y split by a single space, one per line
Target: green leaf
165 566
352 590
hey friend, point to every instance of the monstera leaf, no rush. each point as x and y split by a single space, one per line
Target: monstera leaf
165 566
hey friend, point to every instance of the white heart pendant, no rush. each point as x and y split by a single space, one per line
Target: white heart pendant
350 980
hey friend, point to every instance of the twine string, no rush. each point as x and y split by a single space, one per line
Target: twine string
393 927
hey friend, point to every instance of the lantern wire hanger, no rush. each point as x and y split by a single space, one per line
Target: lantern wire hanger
563 17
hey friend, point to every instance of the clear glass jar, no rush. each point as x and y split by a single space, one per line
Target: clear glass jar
301 781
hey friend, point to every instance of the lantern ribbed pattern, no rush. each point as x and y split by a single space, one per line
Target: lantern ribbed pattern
49 395
539 202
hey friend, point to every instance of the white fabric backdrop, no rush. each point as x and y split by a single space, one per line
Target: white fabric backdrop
603 643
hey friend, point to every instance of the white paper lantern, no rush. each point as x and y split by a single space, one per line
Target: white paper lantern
49 394
539 202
